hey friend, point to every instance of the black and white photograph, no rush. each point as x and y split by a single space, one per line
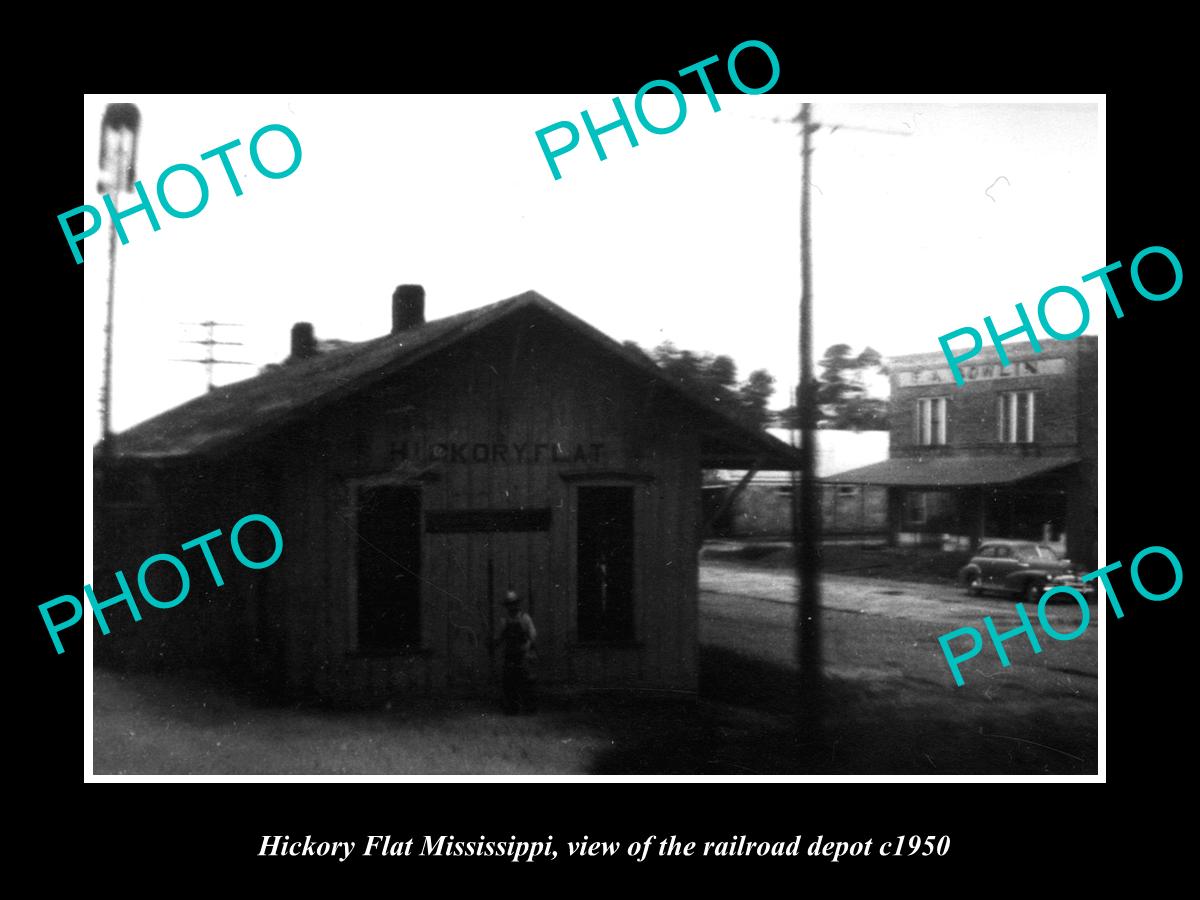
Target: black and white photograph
706 432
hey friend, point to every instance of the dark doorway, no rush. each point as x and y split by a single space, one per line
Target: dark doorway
1029 515
389 567
605 564
1039 515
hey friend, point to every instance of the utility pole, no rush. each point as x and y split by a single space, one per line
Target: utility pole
209 360
118 160
807 538
806 498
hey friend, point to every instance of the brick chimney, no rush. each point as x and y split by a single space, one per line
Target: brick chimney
304 342
408 307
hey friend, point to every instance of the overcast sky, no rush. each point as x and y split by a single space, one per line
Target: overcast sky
692 236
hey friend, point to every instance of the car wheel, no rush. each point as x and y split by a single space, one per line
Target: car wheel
974 586
1033 592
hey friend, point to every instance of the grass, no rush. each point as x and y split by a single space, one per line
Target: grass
919 564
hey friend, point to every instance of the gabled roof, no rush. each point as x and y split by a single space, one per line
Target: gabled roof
249 409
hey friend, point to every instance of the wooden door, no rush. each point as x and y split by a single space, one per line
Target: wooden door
480 567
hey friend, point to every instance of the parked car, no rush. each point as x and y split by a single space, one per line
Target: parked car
1024 568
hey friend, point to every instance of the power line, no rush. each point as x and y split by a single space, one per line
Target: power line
832 127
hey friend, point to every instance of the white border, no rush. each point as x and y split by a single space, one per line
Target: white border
1100 100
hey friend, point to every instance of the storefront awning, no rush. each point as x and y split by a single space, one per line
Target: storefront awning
943 472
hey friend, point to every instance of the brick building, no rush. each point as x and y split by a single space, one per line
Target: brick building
1011 453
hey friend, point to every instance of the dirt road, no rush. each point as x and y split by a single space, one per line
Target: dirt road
880 648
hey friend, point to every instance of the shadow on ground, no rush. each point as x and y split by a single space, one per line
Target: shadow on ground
748 722
744 722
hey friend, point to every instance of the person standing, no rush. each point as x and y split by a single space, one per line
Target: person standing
517 637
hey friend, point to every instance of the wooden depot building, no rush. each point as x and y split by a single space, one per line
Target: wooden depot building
414 479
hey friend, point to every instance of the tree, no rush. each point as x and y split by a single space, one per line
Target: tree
715 376
755 393
843 400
